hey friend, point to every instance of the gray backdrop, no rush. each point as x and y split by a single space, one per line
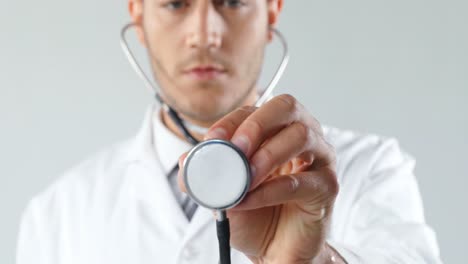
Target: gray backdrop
397 68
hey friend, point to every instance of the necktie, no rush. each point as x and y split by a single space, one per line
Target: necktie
188 205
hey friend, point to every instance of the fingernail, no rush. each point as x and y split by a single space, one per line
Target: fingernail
259 162
253 170
242 142
253 173
218 132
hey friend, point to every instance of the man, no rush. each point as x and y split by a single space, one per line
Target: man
319 195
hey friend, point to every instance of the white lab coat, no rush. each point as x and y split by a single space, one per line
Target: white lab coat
117 207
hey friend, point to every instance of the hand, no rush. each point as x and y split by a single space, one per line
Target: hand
286 214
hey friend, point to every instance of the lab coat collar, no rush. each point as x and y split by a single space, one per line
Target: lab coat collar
143 146
168 146
152 154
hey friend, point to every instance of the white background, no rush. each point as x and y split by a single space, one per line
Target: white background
396 68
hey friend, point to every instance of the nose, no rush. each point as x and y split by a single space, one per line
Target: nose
205 27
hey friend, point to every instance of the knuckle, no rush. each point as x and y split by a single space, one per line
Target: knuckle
333 186
288 98
247 108
268 157
230 124
289 102
302 132
255 126
262 196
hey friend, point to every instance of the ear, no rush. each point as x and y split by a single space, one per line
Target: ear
274 9
135 8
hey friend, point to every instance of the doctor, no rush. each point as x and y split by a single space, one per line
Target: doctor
319 194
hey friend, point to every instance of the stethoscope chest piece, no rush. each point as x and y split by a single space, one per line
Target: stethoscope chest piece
216 174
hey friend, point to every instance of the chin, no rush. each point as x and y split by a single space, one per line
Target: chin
209 109
207 103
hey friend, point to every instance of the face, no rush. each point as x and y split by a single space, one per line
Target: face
206 54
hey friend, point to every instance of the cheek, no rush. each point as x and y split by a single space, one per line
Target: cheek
163 54
249 54
162 43
248 37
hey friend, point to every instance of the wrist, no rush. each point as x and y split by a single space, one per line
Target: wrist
328 255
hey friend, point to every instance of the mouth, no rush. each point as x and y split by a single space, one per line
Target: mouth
205 72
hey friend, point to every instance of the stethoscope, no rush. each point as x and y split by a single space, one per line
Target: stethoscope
216 173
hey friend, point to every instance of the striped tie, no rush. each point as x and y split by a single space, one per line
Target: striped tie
188 205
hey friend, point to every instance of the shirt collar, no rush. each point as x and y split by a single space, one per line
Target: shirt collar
168 146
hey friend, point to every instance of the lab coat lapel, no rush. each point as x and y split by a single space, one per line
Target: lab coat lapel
168 148
152 187
153 190
200 221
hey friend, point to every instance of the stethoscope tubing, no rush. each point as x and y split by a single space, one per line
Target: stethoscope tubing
222 222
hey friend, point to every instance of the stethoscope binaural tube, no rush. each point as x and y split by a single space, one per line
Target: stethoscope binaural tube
237 164
264 96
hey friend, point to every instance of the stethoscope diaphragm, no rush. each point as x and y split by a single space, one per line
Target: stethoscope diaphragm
216 174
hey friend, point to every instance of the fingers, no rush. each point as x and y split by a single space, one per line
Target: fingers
278 131
226 126
313 191
297 141
249 127
268 120
275 152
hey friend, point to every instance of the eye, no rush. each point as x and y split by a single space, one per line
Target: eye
231 3
175 5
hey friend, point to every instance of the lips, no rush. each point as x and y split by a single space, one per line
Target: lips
206 72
